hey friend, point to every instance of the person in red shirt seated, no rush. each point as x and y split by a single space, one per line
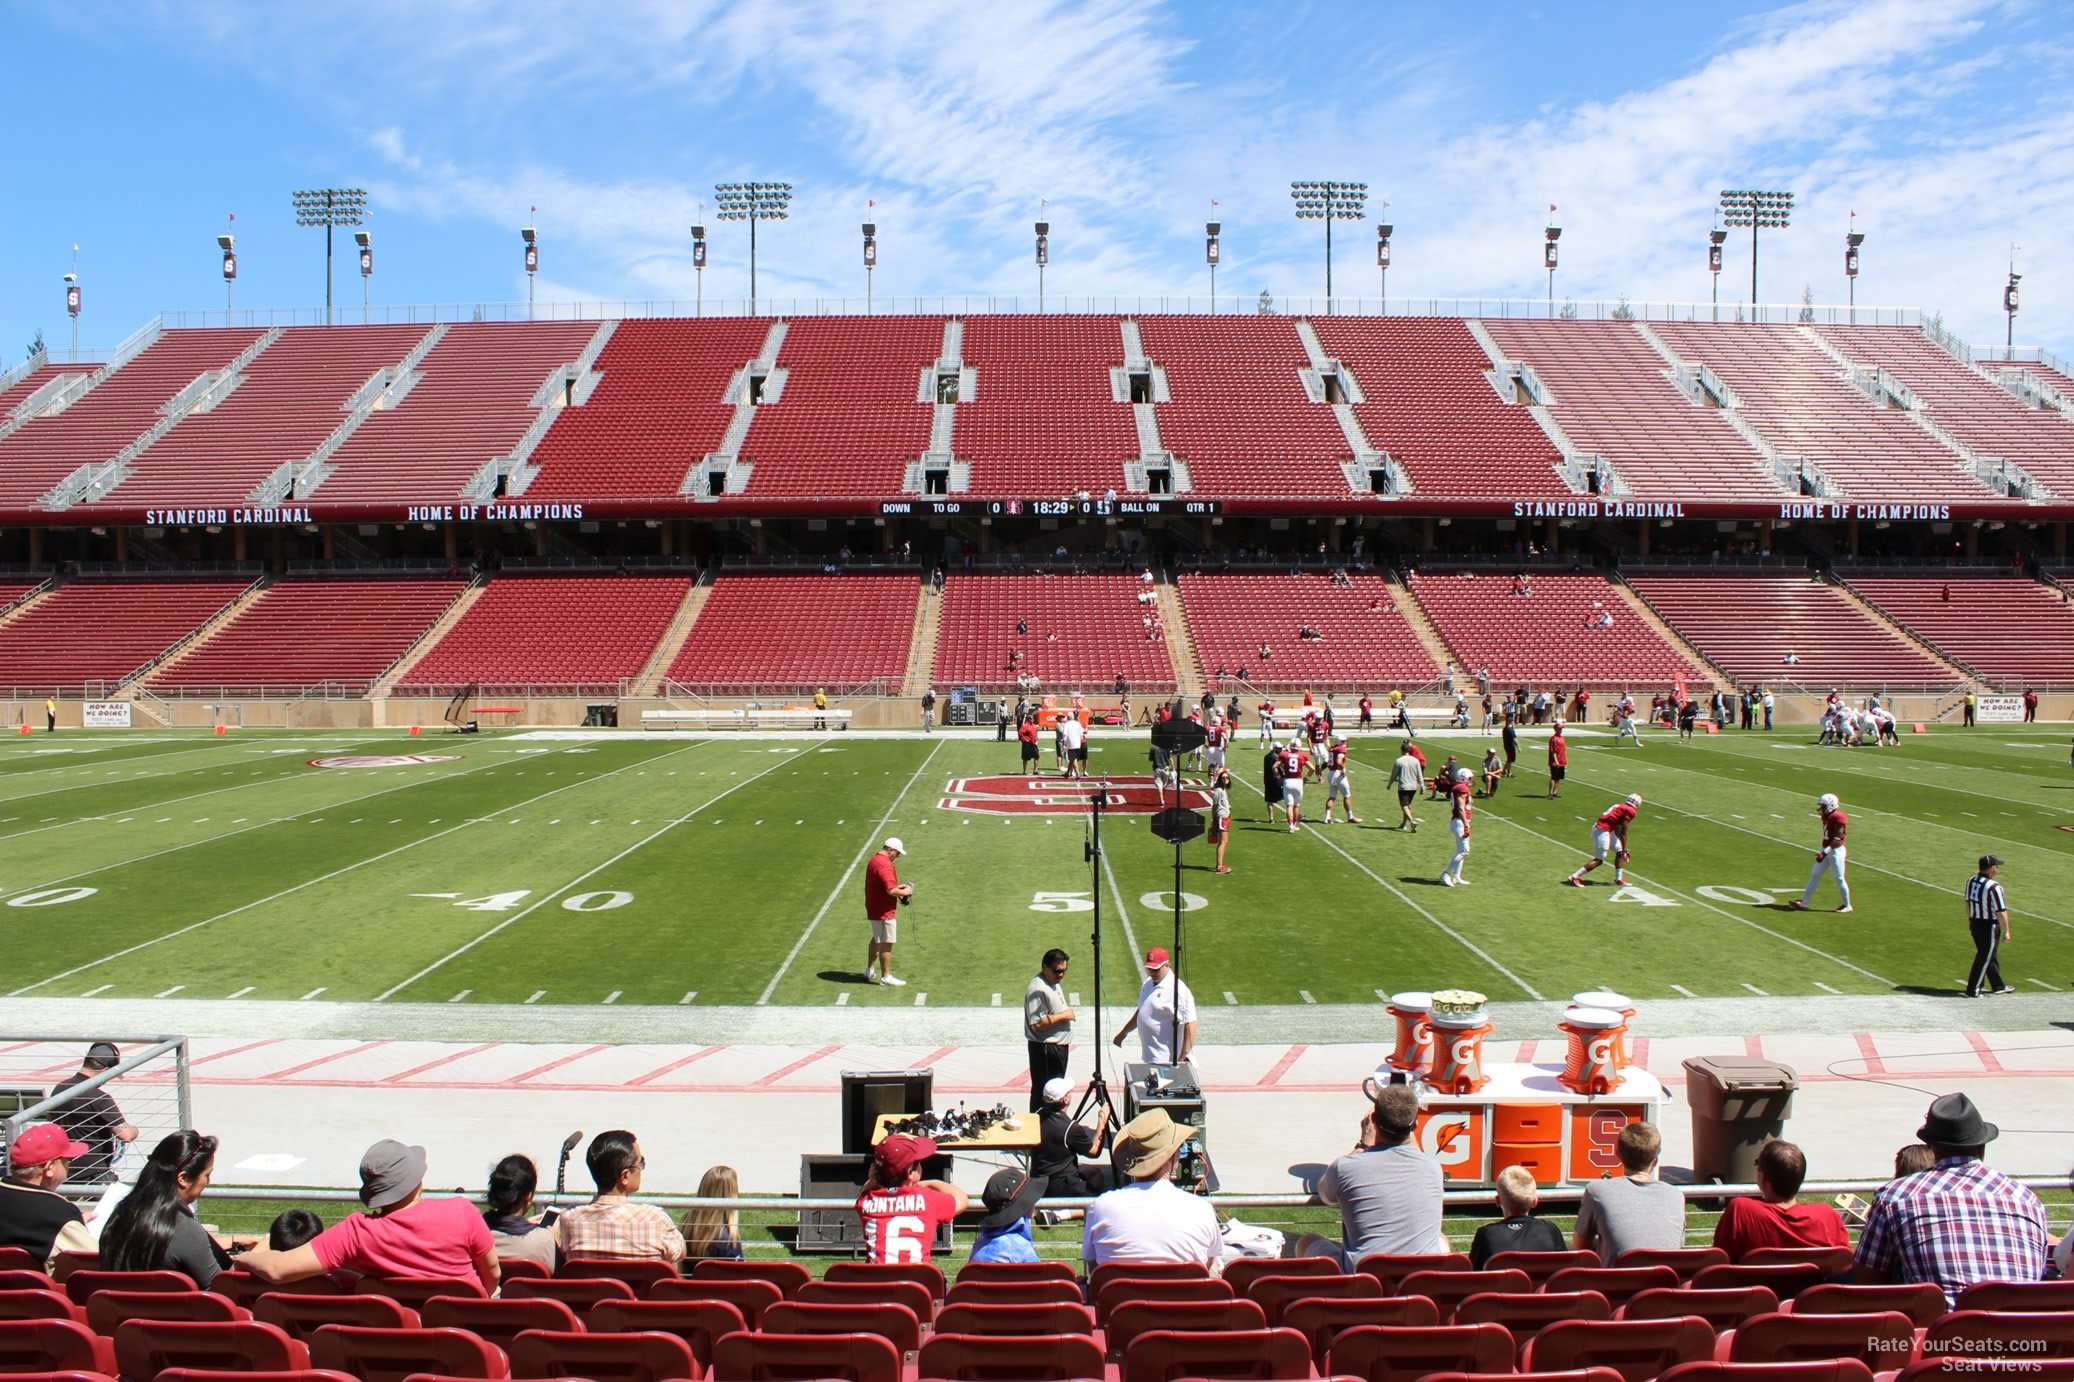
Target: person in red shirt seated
1775 1218
899 1210
402 1235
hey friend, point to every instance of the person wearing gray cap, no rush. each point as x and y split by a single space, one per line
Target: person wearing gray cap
1987 915
402 1235
94 1118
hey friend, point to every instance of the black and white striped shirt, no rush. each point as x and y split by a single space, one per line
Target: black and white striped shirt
1984 899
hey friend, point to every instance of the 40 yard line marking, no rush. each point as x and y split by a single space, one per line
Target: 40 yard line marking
763 999
584 877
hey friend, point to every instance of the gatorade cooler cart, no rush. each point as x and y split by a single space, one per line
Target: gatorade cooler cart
1476 1117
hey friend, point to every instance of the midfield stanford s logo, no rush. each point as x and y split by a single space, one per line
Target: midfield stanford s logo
1054 796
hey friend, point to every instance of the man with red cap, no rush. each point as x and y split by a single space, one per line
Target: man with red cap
33 1215
899 1210
883 894
1165 1019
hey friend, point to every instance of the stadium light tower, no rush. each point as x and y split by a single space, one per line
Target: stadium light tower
2009 306
1383 231
1550 233
753 202
871 250
73 300
366 243
329 207
228 243
531 236
1213 249
1329 201
1853 238
1715 239
1043 226
698 257
1759 211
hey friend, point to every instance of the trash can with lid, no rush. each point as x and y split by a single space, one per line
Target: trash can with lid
1739 1103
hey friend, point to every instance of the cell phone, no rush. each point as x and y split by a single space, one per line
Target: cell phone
547 1220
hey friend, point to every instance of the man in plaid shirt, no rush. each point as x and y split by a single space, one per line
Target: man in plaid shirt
612 1225
1958 1223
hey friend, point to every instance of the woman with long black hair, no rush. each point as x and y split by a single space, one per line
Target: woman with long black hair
154 1227
507 1213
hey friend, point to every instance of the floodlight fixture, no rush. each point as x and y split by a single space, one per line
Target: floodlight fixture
330 207
1759 210
1383 232
698 256
531 237
752 202
1213 253
74 300
1853 238
1328 200
1043 243
871 258
2010 301
366 243
1550 233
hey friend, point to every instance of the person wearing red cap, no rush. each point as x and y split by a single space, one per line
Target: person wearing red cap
883 894
899 1210
33 1215
1165 1019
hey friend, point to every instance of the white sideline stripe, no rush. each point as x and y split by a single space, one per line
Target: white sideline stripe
1684 990
298 887
311 994
1385 997
1073 1000
583 877
2042 984
537 996
870 843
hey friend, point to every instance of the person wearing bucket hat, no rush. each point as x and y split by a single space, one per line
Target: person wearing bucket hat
899 1210
33 1215
1004 1233
1959 1223
402 1235
1149 1218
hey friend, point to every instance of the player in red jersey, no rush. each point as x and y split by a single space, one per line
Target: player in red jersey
1266 711
1296 767
1367 720
1610 832
1459 819
1558 761
1830 857
900 1211
1213 747
1336 782
1320 734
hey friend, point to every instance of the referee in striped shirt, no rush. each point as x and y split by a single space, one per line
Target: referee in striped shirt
1987 915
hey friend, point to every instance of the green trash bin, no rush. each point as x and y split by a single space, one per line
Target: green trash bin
1738 1103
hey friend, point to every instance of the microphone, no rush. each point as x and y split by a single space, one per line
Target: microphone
562 1165
569 1142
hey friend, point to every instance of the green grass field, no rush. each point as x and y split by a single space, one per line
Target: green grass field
728 871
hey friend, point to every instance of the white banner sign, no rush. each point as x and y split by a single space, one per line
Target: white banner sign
2005 709
105 714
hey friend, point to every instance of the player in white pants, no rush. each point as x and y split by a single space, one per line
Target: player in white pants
1831 857
1458 826
1624 728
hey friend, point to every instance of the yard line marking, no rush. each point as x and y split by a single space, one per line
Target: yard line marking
1386 997
842 1000
1072 1000
448 1059
1826 989
538 994
170 992
459 996
1281 1067
310 883
1974 814
677 1064
1756 990
997 1000
921 1000
557 1064
245 990
613 997
1305 994
1123 909
311 994
2042 984
105 987
1231 998
1753 1047
870 843
686 999
1869 1054
1989 1061
795 1067
1684 990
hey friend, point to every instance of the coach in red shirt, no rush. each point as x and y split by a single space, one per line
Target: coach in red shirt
883 891
1774 1217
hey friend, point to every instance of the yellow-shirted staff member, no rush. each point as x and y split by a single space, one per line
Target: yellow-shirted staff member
820 708
50 714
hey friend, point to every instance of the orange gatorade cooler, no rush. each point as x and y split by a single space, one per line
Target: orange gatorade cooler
1612 1002
1414 1051
1459 1027
1593 1066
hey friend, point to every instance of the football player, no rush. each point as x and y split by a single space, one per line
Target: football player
1459 818
1266 711
1610 834
1296 767
1319 732
1830 857
1213 747
1336 781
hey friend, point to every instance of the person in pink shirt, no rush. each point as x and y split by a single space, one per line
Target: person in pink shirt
402 1235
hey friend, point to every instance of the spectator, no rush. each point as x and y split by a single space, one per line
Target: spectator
1004 1233
403 1235
612 1225
514 1231
1913 1157
33 1215
1961 1221
715 1233
292 1228
1062 1141
1149 1218
1635 1211
1519 1230
1387 1190
154 1227
1165 1019
899 1210
1047 1024
93 1117
1775 1217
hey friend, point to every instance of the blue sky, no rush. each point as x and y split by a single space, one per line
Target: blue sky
1945 124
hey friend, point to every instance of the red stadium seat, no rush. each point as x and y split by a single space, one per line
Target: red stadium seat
1828 1370
894 1323
1922 1301
700 1323
1390 1269
2020 1296
925 1274
1637 1349
500 1321
1578 1375
1832 1261
146 1348
245 1289
653 1357
1242 1272
81 1283
1274 1294
1122 1290
2001 1334
1133 1318
1016 1271
390 1355
1447 1289
796 1357
885 1290
1045 1357
107 1309
638 1274
212 1375
39 1305
25 1279
47 1345
1144 1271
301 1316
1786 1280
1390 1353
1055 1317
1723 1309
788 1277
578 1295
77 1259
1540 1266
1880 1341
1618 1285
752 1298
1526 1315
13 1259
1165 1355
512 1268
986 1290
1321 1320
1686 1262
415 1291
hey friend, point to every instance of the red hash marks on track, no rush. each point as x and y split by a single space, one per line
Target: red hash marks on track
1057 796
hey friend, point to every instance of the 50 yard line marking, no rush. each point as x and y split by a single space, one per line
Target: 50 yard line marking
323 878
581 878
764 998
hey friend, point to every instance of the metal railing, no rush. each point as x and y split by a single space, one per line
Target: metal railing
150 1082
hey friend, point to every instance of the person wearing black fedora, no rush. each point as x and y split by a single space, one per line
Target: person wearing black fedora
1959 1223
1004 1232
1987 916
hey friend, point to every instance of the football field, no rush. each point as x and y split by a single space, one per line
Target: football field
571 868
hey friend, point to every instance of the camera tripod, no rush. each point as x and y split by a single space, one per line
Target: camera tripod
1097 1095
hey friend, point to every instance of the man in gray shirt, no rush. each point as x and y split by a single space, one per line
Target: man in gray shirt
1048 1023
1387 1190
1635 1211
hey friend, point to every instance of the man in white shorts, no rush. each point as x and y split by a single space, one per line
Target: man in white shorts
1336 786
1213 747
1072 745
1462 815
1296 766
1266 710
1610 836
1624 724
1830 857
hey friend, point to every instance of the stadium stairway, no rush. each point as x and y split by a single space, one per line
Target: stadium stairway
22 601
1188 668
921 645
187 646
441 626
1421 623
1646 612
650 680
1959 670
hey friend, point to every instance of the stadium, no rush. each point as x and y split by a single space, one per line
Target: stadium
460 722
